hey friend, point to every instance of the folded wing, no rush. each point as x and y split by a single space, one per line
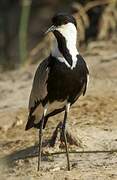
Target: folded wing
38 94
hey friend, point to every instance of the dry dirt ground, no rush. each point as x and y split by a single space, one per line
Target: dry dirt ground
93 119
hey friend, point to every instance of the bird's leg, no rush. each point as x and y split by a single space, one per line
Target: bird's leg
64 134
40 143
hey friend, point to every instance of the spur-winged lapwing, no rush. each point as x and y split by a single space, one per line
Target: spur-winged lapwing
59 80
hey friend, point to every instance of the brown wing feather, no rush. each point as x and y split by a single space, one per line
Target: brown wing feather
39 88
38 93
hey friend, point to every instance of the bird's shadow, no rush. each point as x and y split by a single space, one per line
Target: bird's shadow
23 154
32 151
26 153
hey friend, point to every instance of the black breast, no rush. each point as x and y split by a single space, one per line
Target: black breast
65 83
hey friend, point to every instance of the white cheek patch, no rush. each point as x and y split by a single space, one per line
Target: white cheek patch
69 32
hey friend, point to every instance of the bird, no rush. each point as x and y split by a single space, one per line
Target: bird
59 80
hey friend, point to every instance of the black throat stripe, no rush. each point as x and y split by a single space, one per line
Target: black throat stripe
62 47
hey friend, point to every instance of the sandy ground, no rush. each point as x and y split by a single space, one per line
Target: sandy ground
93 119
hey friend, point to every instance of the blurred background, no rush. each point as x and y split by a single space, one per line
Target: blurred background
92 119
23 23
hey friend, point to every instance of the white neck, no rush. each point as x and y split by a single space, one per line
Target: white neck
69 32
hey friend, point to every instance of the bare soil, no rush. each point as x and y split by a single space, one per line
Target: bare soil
93 120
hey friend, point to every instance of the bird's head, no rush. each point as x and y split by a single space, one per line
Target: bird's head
63 22
64 28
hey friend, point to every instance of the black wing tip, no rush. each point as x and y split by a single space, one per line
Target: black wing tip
27 128
30 123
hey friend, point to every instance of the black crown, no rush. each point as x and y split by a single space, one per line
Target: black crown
62 18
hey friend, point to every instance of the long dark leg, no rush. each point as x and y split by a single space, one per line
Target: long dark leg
64 135
40 143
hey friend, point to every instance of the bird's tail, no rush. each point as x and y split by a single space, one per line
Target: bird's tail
31 123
